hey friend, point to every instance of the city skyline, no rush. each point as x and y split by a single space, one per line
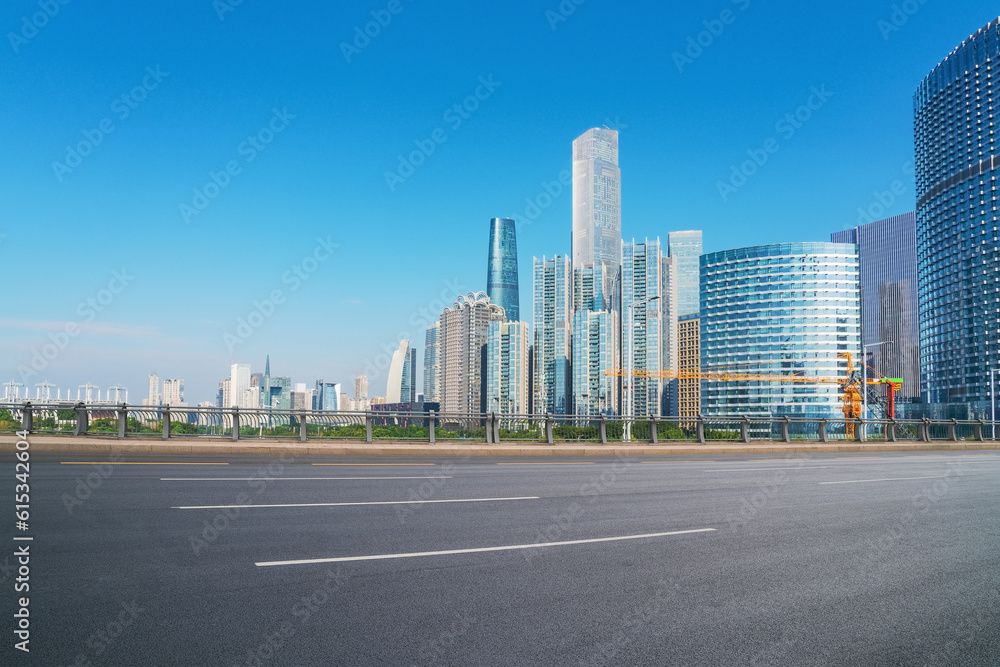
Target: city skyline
106 204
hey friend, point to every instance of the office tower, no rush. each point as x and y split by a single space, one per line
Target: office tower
275 392
685 248
595 350
597 224
642 283
299 399
220 395
251 398
553 338
501 273
227 393
801 307
239 382
888 257
432 364
507 368
464 328
154 389
327 396
689 359
361 387
956 109
173 392
670 354
255 379
402 375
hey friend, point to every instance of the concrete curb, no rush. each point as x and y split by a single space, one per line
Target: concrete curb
71 445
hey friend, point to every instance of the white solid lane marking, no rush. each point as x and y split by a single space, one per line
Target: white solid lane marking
885 479
271 479
382 502
450 552
752 469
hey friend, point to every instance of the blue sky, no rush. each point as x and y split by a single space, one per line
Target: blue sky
278 139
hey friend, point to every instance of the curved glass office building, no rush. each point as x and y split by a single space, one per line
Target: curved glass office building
958 266
501 273
785 309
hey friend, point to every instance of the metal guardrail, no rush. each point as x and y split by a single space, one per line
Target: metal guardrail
128 421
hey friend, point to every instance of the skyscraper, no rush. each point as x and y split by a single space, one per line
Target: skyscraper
501 273
785 309
956 109
154 389
670 355
642 283
173 392
432 364
595 350
401 383
507 368
688 359
361 387
685 248
553 337
275 392
239 382
888 256
464 329
408 385
597 224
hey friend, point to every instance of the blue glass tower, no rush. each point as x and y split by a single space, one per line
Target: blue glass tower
501 273
958 250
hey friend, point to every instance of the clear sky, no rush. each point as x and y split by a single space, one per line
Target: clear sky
213 153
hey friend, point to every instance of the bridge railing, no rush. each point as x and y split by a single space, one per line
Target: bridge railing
133 421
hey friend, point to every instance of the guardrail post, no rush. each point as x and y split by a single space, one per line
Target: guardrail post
303 433
784 430
859 430
952 431
165 420
488 428
548 427
925 430
27 419
81 419
122 420
744 429
368 426
236 424
430 423
496 429
700 430
977 430
890 430
604 429
652 431
822 429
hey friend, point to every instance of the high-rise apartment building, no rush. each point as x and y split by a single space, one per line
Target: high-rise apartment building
786 309
956 110
464 328
642 284
595 350
688 359
597 224
553 335
361 387
888 257
239 382
501 273
173 392
432 364
670 349
685 248
154 389
507 367
227 393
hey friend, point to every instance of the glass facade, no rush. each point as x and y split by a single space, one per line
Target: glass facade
888 256
957 159
595 349
501 273
432 364
597 221
553 335
785 309
507 368
685 248
642 264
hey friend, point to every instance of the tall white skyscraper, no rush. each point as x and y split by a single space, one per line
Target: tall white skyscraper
154 389
239 382
173 392
597 220
395 381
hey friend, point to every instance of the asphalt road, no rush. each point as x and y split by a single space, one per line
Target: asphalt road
805 560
